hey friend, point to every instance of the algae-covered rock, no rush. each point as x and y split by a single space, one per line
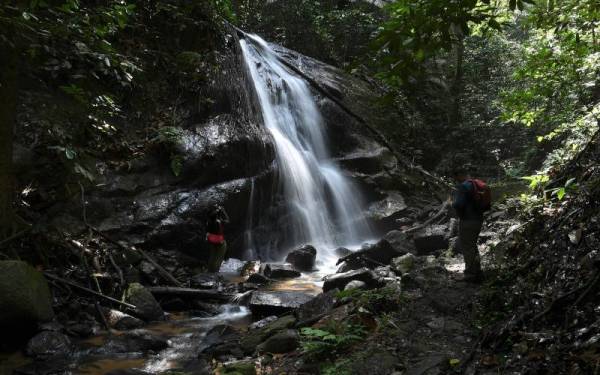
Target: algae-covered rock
146 305
281 342
404 264
239 367
25 298
257 336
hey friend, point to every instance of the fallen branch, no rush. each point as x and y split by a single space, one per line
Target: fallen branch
164 273
190 292
441 211
14 237
87 290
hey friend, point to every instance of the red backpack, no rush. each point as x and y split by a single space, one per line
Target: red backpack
482 194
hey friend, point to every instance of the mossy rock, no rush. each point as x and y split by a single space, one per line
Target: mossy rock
256 337
239 368
25 298
146 305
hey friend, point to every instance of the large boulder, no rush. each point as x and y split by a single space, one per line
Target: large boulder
430 239
339 280
221 341
303 258
400 241
279 271
265 303
25 299
146 305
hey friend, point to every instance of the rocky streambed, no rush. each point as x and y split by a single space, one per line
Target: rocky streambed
255 310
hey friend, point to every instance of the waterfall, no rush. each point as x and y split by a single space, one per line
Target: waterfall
323 207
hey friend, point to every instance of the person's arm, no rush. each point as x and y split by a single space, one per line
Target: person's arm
461 196
224 216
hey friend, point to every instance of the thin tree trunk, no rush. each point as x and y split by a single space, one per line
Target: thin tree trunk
456 88
8 102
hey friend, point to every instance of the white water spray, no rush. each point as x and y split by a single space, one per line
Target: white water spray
325 210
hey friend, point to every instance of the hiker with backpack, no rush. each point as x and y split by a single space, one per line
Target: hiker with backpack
471 199
215 236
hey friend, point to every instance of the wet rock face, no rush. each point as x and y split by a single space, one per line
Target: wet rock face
265 303
25 299
303 258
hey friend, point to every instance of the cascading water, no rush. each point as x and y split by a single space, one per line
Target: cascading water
323 207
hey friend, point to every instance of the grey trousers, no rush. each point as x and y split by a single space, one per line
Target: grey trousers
217 253
468 232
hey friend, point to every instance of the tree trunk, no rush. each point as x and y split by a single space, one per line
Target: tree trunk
454 115
8 103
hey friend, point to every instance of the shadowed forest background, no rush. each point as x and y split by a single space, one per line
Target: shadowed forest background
122 122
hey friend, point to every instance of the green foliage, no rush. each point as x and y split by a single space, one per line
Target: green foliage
330 341
225 9
374 300
418 31
337 32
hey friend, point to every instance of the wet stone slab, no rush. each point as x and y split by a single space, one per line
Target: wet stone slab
265 303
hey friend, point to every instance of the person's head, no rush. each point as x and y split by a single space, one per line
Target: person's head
214 211
459 173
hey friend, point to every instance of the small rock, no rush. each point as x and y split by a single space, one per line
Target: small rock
355 284
303 258
138 340
146 305
257 278
263 322
340 280
279 271
282 342
404 264
121 321
48 344
250 267
206 280
232 265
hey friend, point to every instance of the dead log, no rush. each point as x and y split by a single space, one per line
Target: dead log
87 290
163 272
190 292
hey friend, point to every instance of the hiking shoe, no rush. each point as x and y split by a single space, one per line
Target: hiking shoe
476 278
